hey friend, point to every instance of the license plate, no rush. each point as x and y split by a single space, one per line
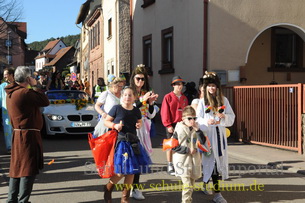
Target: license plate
81 124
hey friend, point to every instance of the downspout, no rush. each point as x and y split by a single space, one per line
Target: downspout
117 38
205 35
131 36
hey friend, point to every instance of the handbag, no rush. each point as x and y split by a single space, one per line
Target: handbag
103 149
170 143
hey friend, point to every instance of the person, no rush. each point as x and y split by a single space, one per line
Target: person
23 106
190 91
42 81
8 75
171 113
145 102
87 86
214 114
106 101
186 159
126 118
56 82
98 88
195 101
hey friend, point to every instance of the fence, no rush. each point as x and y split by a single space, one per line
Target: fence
269 115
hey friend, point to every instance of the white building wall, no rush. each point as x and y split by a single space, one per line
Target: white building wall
39 63
57 47
186 18
111 48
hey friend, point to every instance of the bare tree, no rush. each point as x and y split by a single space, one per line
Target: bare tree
10 12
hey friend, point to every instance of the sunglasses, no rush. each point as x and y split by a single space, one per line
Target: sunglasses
138 79
191 118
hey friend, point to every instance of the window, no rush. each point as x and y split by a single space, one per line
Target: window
147 3
167 51
109 28
147 54
95 36
286 51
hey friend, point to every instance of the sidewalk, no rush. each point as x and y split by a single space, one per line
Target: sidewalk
257 154
273 157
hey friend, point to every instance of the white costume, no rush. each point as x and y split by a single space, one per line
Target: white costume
208 162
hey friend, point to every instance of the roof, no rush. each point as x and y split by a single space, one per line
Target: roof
19 27
83 11
50 45
59 55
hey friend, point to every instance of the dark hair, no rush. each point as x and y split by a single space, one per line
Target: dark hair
140 69
10 71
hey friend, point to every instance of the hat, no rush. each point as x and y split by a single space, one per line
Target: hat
110 78
177 79
211 77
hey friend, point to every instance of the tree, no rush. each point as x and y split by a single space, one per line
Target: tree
10 12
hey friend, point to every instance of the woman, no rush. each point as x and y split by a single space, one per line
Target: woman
145 102
106 101
195 101
129 155
214 115
56 82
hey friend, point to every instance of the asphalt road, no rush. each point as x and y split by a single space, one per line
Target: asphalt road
71 178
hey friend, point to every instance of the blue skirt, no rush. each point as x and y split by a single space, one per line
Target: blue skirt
126 162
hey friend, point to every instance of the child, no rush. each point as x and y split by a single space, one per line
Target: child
214 114
171 113
130 157
186 157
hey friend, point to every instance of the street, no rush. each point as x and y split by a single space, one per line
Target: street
72 178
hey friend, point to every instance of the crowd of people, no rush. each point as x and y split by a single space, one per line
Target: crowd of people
196 119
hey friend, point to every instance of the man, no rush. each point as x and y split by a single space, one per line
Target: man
99 88
23 106
171 113
8 76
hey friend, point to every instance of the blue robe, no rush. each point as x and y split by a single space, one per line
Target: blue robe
7 127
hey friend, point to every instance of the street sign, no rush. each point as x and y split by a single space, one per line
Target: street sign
73 76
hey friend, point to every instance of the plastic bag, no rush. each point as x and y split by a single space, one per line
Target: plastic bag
206 147
170 143
103 152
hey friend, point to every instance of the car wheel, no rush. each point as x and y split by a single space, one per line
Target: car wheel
44 130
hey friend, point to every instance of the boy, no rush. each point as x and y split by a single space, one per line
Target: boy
186 157
171 113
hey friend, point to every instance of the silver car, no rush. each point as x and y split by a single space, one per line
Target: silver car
69 112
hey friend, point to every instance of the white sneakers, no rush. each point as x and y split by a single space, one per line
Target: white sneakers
218 198
206 190
170 169
136 194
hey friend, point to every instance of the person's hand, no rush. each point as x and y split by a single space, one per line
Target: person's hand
138 125
170 129
196 126
211 122
153 97
104 115
146 96
220 115
118 127
193 151
32 81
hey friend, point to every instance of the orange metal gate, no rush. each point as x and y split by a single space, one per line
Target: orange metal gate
270 115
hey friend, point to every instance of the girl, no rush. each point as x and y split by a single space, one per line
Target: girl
130 157
214 114
145 102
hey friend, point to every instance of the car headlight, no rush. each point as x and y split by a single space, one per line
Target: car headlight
55 117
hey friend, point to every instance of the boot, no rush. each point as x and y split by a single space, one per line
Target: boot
107 192
125 195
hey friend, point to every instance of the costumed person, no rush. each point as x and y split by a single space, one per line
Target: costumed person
56 82
106 101
8 76
171 113
130 157
87 86
23 106
145 102
98 88
214 115
186 157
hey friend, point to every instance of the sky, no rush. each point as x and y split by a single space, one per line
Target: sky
46 19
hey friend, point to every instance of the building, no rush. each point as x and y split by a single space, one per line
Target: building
13 47
246 42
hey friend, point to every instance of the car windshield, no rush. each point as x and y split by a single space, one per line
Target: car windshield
58 95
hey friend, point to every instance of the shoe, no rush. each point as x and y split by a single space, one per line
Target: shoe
137 194
205 189
171 170
218 198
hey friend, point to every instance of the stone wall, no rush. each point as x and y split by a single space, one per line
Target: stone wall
303 133
124 36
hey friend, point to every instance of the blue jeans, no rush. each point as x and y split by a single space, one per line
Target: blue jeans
21 187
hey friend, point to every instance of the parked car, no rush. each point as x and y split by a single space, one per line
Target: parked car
69 112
